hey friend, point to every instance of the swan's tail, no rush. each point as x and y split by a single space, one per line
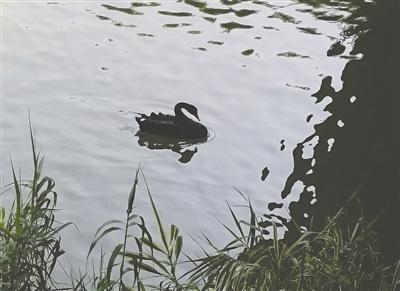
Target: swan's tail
141 118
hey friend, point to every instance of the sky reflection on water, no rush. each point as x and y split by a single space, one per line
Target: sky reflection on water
250 67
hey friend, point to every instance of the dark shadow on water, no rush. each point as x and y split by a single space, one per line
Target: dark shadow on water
185 148
365 134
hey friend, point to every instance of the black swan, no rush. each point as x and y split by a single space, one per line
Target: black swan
178 126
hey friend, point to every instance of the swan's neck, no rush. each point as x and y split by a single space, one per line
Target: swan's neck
179 113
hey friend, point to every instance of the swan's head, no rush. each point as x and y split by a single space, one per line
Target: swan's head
193 110
189 108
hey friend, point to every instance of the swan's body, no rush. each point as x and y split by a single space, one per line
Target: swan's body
178 126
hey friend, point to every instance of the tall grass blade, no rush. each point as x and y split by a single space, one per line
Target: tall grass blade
252 230
18 202
160 226
236 220
35 164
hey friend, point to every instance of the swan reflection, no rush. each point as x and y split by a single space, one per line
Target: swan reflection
185 148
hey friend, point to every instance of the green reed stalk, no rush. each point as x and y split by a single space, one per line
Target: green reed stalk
128 212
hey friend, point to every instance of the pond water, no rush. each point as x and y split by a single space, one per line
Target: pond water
81 69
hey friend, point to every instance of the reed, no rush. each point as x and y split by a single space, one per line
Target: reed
30 242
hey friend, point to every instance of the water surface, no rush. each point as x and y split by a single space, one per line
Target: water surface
82 68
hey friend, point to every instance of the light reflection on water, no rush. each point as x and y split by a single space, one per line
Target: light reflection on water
80 68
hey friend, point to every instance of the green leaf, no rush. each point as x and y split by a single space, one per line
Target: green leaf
252 230
147 268
112 221
276 241
111 261
141 286
174 233
178 247
2 215
108 230
152 245
230 231
18 202
4 230
132 194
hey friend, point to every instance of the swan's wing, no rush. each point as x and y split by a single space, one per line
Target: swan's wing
156 123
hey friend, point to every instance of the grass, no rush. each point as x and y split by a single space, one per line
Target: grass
343 255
